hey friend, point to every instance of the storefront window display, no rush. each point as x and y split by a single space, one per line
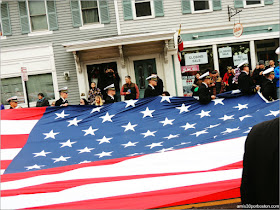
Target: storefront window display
266 50
232 55
195 60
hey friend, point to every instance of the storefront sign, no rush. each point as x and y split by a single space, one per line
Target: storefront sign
196 58
225 52
24 74
185 69
237 30
237 59
187 85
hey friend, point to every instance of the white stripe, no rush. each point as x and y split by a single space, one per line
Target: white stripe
199 158
117 188
11 127
9 154
2 171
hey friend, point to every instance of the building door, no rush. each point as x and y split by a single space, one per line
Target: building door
143 69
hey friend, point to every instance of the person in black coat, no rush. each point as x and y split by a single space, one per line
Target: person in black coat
260 177
204 91
268 88
63 95
111 92
245 82
258 73
151 90
159 87
42 101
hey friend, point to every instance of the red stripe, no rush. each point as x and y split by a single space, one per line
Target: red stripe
24 175
62 185
155 199
23 114
13 141
5 163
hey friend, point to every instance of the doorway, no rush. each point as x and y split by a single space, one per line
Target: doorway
96 73
143 69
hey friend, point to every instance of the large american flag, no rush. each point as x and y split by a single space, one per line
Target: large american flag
138 154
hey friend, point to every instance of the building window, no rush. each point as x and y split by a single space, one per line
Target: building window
143 9
201 6
42 83
38 15
1 33
11 87
90 12
253 3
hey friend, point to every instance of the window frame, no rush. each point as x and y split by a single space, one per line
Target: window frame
202 11
29 18
2 36
32 104
89 24
253 5
144 17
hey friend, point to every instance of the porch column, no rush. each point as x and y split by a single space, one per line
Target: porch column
253 54
215 57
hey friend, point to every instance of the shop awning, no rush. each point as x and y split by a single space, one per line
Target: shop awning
119 41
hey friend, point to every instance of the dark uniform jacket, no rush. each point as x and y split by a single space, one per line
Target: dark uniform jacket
246 84
204 94
269 90
159 87
110 100
42 102
260 178
257 77
60 101
150 92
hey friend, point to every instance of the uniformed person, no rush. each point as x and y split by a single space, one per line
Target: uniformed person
151 90
13 101
260 177
63 97
204 91
111 92
245 82
268 88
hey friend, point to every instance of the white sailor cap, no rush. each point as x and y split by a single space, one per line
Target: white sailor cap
241 64
277 51
205 76
267 71
152 77
110 87
64 89
14 98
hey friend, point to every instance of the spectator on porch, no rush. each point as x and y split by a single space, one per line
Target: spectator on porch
93 92
83 101
226 78
271 64
159 87
42 101
130 90
98 101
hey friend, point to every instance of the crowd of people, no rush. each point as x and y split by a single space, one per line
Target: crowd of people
206 85
263 79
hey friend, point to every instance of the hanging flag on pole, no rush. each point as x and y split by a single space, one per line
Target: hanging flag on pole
180 44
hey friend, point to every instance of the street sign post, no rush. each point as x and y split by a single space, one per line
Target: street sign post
25 79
